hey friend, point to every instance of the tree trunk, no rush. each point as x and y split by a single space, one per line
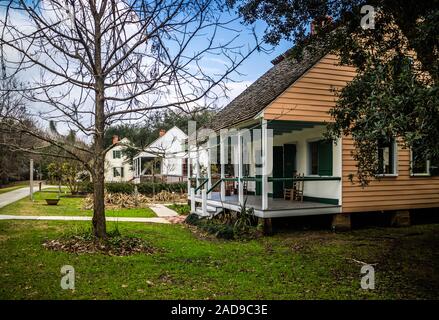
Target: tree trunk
99 223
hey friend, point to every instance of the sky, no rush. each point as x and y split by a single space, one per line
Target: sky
258 63
250 70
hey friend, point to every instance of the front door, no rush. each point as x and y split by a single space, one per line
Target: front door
278 171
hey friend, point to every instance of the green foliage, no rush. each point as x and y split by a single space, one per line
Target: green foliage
181 209
119 187
220 230
146 188
391 94
67 172
245 219
228 225
387 100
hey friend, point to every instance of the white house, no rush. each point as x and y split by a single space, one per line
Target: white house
117 166
166 158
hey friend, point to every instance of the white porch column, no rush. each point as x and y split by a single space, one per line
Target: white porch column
188 169
222 165
135 167
192 195
204 202
197 167
240 182
265 152
209 169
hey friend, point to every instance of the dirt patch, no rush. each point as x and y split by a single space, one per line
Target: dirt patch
117 246
176 219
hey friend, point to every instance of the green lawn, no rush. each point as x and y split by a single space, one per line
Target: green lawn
67 206
293 265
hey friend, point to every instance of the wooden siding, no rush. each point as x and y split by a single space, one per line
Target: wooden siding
309 99
389 193
311 96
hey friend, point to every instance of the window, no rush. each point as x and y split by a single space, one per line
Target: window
419 164
118 172
320 153
184 167
117 154
386 156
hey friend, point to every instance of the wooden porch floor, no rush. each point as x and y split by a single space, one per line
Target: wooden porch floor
277 207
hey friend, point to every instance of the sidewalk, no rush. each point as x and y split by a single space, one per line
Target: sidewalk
161 211
15 195
81 218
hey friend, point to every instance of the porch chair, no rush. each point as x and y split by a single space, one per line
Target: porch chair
288 194
298 187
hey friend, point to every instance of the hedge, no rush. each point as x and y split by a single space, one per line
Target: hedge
145 188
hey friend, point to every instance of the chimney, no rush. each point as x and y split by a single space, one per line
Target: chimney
162 132
115 139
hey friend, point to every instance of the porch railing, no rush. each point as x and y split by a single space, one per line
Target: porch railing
205 191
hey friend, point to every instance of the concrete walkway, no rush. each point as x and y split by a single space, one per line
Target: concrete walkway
80 218
15 195
162 211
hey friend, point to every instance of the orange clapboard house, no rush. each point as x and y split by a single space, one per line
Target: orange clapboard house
293 99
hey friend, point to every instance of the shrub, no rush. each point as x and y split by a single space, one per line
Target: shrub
220 230
149 187
145 188
119 187
192 219
181 209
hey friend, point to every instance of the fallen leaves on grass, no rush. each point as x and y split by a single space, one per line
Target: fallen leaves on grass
117 246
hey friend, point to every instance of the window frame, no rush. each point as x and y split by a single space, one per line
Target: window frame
419 174
121 173
117 152
394 146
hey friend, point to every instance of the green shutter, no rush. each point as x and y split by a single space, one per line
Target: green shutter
325 158
434 168
121 172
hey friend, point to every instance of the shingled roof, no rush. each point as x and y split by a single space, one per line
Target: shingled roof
265 89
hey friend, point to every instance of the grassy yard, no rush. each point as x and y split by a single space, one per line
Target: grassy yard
67 206
289 265
181 209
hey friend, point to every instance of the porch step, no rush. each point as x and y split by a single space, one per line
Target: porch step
211 211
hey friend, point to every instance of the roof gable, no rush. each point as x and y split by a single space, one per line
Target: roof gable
264 90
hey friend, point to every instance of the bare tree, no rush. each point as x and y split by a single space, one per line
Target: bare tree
88 64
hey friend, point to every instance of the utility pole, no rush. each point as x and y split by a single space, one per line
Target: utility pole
31 179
